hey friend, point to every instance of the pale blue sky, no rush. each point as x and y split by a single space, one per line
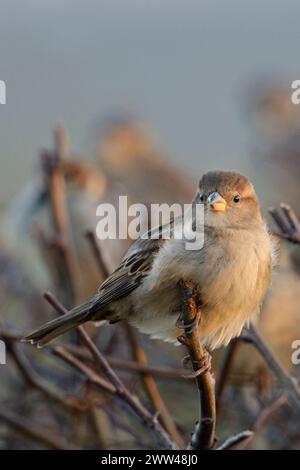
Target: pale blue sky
183 66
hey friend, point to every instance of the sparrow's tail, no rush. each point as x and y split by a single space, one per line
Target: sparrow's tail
58 326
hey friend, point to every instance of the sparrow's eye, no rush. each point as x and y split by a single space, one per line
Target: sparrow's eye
202 197
236 198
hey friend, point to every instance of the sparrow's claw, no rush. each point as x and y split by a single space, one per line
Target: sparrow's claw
185 361
180 324
204 365
188 327
182 340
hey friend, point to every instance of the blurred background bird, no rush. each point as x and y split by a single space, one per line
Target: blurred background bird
130 156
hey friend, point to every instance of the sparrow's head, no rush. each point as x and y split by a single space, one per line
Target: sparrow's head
229 200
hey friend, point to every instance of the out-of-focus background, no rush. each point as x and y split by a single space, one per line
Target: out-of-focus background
152 94
190 70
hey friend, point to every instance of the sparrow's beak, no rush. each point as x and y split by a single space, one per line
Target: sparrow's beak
217 202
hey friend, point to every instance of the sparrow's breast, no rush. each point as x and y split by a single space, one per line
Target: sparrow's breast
233 284
232 273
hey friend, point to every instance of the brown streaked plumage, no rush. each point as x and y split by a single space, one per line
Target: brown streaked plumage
232 270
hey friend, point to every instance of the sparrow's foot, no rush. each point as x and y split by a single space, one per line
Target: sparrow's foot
188 327
204 365
182 340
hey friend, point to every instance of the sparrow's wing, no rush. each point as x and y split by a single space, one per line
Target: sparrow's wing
134 267
129 274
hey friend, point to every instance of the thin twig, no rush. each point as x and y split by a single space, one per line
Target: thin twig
55 180
289 383
35 431
268 410
152 389
224 373
101 423
121 390
288 224
93 377
123 364
90 235
117 421
263 416
70 402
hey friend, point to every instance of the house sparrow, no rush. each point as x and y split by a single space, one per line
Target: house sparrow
232 271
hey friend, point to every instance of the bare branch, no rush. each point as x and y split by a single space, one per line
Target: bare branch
35 431
55 179
263 416
117 363
123 364
121 390
70 402
289 383
226 367
288 224
204 434
97 253
93 377
152 389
